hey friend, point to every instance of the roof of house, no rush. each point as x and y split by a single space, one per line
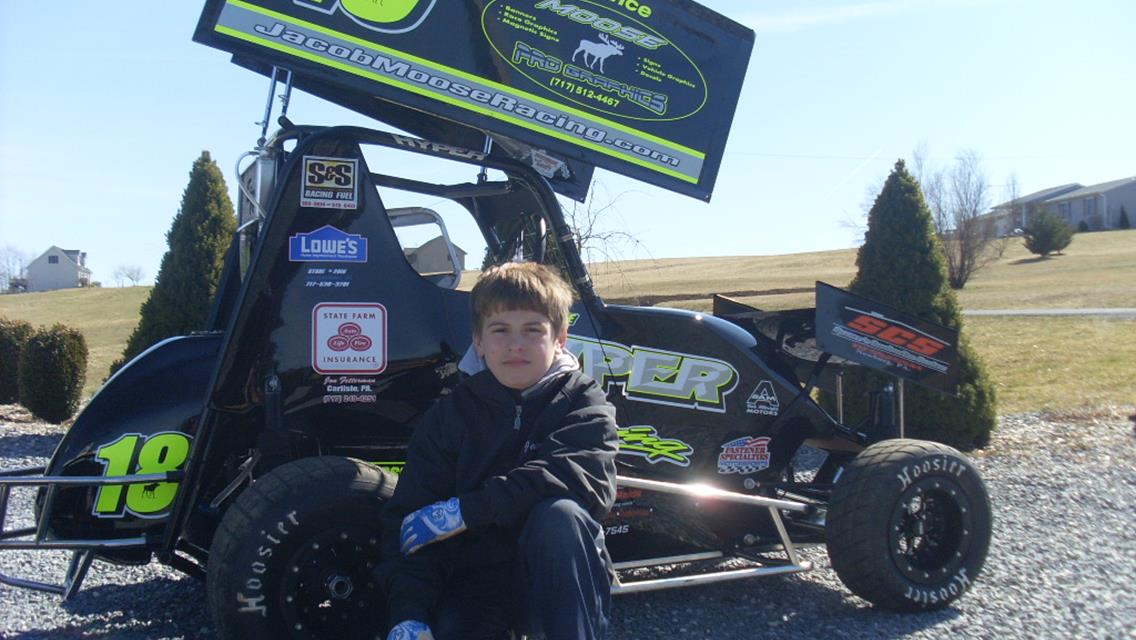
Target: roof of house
1038 196
74 255
1093 190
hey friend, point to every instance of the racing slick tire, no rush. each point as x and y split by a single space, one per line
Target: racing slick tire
294 553
908 525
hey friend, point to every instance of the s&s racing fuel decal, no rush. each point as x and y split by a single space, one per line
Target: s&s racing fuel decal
330 183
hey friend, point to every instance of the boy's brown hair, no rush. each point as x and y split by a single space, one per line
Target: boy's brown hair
521 286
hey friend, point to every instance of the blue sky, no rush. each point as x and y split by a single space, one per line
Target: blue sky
104 107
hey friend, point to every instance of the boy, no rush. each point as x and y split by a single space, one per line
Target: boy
494 523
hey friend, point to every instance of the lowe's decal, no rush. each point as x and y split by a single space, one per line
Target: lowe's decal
644 442
763 401
349 338
327 244
744 455
330 183
657 376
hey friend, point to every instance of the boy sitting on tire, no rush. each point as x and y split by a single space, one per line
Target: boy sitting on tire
494 524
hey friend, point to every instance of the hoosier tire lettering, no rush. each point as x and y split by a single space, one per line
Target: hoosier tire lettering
908 525
294 553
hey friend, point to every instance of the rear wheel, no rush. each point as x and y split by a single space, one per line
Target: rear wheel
909 525
294 555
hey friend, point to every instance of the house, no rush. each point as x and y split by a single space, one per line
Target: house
1016 213
1097 206
58 269
434 257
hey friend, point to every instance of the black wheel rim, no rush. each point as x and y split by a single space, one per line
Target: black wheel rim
328 587
930 530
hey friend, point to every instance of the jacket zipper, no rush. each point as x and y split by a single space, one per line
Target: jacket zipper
517 420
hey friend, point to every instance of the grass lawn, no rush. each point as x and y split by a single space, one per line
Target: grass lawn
1051 363
105 316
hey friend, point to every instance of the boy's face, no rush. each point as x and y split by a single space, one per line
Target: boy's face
518 346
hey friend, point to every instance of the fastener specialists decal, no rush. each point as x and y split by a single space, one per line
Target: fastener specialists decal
330 183
349 338
327 244
744 455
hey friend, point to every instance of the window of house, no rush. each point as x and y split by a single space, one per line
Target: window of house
52 259
1090 207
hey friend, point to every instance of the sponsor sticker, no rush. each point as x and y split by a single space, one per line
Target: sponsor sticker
349 338
744 455
330 183
349 390
327 244
644 442
763 401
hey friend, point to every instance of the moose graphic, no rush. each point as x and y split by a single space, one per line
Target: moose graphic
598 51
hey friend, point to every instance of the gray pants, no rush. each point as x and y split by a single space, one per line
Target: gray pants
559 583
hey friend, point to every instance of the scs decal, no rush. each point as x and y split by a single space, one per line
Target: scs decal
657 376
897 334
137 454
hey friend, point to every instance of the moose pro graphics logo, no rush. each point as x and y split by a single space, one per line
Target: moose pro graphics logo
383 16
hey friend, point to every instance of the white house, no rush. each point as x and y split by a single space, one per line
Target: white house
1097 206
1016 213
58 269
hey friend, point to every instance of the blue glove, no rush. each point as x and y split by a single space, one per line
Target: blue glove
410 630
430 524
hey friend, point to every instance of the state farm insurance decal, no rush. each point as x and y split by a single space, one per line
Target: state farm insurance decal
330 183
349 338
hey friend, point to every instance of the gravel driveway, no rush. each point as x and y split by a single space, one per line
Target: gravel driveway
1062 563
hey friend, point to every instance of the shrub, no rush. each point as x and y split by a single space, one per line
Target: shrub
901 264
1046 233
53 365
1082 226
13 335
187 278
1124 222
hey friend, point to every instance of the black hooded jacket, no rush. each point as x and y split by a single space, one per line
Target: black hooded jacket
500 453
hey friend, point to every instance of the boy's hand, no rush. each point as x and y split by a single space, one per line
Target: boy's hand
430 524
410 630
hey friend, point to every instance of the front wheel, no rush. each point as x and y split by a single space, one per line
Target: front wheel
909 525
293 556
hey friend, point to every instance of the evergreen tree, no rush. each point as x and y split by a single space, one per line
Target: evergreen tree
1124 223
902 264
1047 233
187 279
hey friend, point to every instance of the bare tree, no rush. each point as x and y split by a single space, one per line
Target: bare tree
958 200
133 273
599 230
13 266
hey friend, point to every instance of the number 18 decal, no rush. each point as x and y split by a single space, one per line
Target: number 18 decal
136 454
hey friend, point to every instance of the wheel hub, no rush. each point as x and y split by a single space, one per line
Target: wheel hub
329 589
931 527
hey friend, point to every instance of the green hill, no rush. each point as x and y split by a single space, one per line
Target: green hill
1057 363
